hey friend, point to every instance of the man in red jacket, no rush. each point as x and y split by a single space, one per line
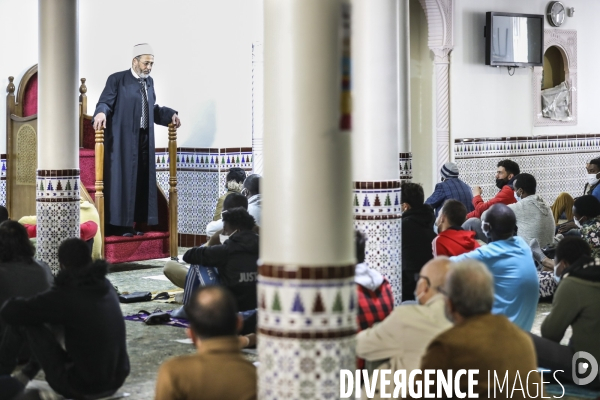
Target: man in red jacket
505 174
453 240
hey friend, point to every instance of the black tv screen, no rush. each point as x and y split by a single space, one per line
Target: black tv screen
514 40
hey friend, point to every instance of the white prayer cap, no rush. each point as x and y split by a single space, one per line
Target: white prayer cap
142 48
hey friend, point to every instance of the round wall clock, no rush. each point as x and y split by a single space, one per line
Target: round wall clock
556 13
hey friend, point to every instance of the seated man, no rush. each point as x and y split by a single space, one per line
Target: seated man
231 201
510 261
217 370
404 335
505 174
451 187
480 340
3 214
252 192
235 261
20 276
84 303
417 234
564 201
375 298
577 304
452 239
234 184
175 271
586 214
534 217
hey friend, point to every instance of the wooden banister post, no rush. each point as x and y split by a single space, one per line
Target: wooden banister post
99 157
82 109
10 109
173 233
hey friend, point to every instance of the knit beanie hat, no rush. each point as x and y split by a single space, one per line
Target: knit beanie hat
449 170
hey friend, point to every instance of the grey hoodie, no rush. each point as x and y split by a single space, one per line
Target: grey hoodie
534 220
254 207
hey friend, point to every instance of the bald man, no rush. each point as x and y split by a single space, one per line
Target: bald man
510 261
404 335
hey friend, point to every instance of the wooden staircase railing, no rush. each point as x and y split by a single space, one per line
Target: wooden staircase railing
99 165
173 234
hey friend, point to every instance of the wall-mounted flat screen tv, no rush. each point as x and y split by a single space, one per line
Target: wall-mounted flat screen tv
514 40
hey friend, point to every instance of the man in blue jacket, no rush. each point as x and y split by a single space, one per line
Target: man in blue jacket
450 188
127 109
510 261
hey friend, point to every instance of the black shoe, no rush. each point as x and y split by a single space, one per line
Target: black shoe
179 313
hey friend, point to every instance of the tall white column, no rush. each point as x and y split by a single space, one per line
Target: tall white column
306 291
258 98
405 156
57 194
377 124
442 105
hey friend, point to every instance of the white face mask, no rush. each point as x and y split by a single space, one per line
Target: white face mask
577 222
556 276
517 196
592 180
223 238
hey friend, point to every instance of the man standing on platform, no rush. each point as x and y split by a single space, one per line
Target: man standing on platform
127 111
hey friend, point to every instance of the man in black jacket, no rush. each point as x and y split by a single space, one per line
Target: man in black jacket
417 235
84 303
235 259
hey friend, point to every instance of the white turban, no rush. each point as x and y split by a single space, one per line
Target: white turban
142 48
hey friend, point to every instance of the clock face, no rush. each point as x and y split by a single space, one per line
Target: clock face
556 14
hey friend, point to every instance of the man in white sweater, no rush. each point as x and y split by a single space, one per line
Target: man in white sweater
534 217
403 336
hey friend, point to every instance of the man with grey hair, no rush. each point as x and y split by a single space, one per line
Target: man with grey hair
510 261
480 340
127 109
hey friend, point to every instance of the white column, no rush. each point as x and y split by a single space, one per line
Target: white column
377 125
442 105
258 100
57 194
306 291
405 157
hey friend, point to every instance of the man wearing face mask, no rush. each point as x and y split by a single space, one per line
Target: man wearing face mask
127 109
505 174
235 259
452 240
534 217
404 334
479 340
586 216
577 304
510 261
564 201
417 234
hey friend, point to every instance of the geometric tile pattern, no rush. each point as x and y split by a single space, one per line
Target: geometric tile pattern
557 162
302 368
405 162
3 179
383 251
377 215
201 176
306 328
307 306
57 210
